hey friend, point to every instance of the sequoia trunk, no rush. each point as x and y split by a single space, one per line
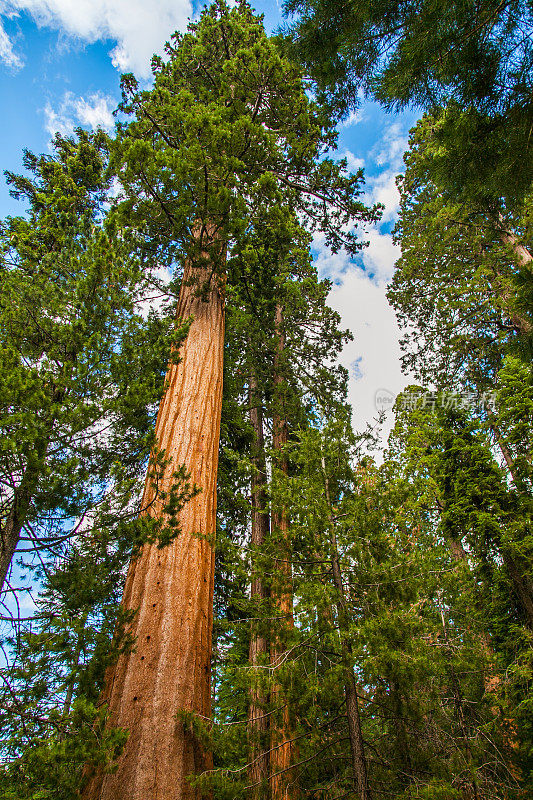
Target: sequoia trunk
524 259
171 588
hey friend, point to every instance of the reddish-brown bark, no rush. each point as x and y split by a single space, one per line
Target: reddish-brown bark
257 719
172 588
282 748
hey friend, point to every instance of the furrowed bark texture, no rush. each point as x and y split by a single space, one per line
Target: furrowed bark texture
257 719
282 781
172 587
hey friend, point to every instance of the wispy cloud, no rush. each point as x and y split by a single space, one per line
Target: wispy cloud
353 118
94 111
354 162
7 50
389 149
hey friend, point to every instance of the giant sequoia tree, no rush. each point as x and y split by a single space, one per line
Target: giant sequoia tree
226 125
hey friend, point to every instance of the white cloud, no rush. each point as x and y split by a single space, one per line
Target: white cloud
353 118
92 112
96 111
387 155
359 290
140 28
7 53
380 256
382 189
373 358
390 148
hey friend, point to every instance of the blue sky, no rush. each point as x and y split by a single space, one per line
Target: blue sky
60 65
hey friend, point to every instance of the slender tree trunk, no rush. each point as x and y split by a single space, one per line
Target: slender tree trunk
71 680
517 572
11 530
23 493
257 720
350 686
281 756
171 588
20 505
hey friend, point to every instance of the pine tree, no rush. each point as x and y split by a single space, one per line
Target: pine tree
448 451
458 277
81 365
273 269
51 722
458 282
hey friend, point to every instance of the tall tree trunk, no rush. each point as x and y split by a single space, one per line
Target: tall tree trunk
521 583
350 686
523 256
171 588
281 756
257 720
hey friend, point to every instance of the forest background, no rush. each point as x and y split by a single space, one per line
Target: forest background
381 616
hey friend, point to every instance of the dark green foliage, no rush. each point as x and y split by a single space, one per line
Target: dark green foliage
427 53
81 366
470 61
457 281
